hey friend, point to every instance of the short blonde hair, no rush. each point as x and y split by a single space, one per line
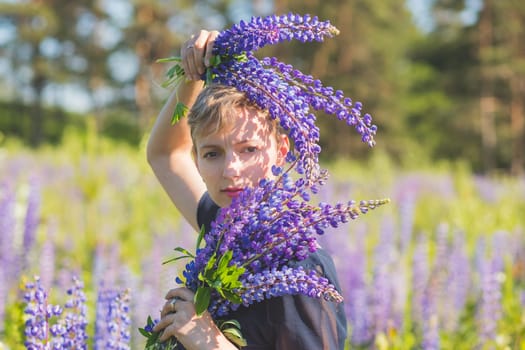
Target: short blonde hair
216 105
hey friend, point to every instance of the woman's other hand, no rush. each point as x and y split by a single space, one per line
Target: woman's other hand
180 320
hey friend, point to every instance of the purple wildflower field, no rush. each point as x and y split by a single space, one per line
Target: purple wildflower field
440 267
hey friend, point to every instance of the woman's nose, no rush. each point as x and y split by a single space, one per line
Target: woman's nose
232 165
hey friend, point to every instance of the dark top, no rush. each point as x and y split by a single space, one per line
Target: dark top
291 322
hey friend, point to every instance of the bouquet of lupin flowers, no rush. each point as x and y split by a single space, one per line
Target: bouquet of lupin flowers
251 251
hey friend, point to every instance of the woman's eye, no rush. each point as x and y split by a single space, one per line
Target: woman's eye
250 149
211 154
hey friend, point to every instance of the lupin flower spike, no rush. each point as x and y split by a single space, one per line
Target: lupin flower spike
289 95
253 241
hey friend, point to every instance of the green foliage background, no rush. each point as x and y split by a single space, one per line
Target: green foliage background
451 92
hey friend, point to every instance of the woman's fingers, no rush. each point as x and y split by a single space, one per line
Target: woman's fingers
168 325
186 54
181 293
164 322
174 297
176 313
196 53
209 47
169 307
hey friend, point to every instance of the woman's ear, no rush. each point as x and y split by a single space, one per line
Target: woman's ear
283 147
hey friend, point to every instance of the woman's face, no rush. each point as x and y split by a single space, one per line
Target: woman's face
239 155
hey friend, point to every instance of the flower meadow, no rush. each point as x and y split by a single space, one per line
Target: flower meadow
85 227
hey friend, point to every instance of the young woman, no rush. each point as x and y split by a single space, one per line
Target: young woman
225 145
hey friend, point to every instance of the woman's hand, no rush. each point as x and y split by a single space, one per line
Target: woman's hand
196 53
180 320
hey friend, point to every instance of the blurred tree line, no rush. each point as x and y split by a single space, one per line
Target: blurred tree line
455 91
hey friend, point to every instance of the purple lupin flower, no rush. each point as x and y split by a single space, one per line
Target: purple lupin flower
75 322
281 228
357 297
7 231
38 332
104 298
430 320
432 294
47 258
490 300
119 326
420 276
407 205
112 328
383 298
259 32
347 247
106 264
487 189
156 278
7 262
32 217
289 95
458 283
479 259
275 283
4 292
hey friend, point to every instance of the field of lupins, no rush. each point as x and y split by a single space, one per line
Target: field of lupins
85 227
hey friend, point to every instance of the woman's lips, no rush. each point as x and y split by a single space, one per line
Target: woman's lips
232 192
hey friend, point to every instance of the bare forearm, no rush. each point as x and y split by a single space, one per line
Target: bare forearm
209 341
169 154
169 147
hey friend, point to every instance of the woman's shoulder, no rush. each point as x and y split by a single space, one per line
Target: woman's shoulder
319 258
207 210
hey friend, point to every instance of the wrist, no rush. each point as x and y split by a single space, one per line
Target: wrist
215 341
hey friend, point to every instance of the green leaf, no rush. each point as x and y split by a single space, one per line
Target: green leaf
185 252
210 276
242 57
209 269
144 332
239 341
232 330
230 277
174 80
180 111
202 299
216 283
200 238
153 340
179 71
236 334
224 261
234 298
171 72
169 59
215 61
174 259
209 76
232 323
